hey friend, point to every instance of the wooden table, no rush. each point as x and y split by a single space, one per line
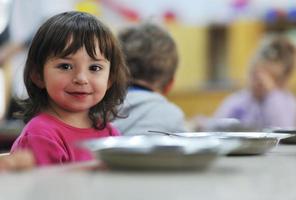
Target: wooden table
266 177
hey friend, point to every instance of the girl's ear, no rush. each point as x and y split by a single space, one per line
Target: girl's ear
37 80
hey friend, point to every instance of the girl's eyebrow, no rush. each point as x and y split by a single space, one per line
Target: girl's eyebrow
92 59
100 59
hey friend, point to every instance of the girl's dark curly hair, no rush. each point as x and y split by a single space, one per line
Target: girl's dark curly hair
65 34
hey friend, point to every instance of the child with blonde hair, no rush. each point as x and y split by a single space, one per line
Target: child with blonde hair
266 103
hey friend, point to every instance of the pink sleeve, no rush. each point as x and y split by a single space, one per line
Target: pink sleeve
45 151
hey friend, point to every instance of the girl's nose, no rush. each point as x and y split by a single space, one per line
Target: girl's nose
80 78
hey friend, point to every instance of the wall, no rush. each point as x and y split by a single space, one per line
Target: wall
188 92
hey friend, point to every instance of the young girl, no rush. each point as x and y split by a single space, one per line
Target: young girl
75 77
267 102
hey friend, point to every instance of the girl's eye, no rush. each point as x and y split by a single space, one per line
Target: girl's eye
65 66
95 68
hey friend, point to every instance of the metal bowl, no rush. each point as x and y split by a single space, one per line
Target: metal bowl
159 152
289 140
252 143
254 146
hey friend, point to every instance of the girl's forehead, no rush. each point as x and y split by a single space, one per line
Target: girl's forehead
95 45
268 64
275 68
97 56
77 43
72 48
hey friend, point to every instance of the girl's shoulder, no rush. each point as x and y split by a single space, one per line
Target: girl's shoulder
41 121
41 124
47 123
110 130
38 127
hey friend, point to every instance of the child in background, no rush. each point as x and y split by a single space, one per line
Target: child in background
152 57
75 76
266 103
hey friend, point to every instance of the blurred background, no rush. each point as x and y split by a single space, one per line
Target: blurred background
216 39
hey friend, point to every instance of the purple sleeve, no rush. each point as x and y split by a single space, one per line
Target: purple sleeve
45 151
279 109
227 107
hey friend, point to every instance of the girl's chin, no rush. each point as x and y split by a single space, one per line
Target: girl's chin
77 109
258 95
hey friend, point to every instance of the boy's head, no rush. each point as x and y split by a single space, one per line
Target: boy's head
151 55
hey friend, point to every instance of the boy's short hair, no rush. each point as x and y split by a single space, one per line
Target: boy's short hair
151 54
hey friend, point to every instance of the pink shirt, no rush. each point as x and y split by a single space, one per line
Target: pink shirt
54 142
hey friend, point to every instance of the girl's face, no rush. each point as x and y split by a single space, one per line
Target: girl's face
273 70
76 82
265 77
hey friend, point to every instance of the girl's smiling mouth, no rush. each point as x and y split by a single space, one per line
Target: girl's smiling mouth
79 95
